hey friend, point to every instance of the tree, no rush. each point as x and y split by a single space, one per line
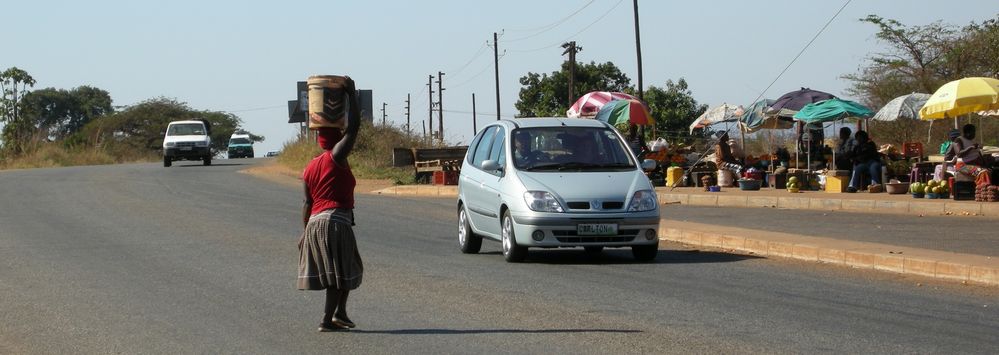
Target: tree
673 107
548 94
59 113
13 82
141 127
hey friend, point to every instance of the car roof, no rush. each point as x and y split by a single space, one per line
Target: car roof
187 121
553 122
247 136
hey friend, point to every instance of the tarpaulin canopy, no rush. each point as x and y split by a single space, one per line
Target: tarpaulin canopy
832 110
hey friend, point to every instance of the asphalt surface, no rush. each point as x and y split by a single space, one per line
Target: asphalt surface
193 259
960 234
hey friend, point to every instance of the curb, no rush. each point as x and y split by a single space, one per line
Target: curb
967 268
835 204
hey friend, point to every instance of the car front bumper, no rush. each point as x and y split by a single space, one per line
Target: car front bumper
561 229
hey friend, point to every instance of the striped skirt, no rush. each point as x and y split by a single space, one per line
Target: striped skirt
328 256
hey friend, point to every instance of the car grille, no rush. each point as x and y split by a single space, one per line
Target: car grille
571 236
607 205
185 144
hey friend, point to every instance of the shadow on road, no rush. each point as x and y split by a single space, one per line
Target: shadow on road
623 256
490 331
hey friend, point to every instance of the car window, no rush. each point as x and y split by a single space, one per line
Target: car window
498 153
186 129
482 148
239 141
569 148
474 144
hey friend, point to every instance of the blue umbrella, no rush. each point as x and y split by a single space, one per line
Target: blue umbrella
832 110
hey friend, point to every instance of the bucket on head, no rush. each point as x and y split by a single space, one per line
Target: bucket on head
328 102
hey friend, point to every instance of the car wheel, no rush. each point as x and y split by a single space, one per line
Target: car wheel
468 241
166 161
594 249
645 252
207 161
511 251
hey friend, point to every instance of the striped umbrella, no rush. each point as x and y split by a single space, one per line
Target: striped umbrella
588 105
905 106
624 111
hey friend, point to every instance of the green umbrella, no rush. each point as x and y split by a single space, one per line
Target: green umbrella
832 110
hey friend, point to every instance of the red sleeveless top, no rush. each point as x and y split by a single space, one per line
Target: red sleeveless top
330 185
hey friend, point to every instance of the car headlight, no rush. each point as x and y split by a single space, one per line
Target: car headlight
171 144
643 200
542 201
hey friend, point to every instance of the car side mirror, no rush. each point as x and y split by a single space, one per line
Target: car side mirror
491 165
648 164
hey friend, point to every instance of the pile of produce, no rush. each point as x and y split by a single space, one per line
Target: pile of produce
987 193
793 185
934 188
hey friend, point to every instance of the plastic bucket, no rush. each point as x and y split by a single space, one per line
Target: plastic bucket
327 102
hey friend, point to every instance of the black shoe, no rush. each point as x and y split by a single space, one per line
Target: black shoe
331 327
345 322
851 189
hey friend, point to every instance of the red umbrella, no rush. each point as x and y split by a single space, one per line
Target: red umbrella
588 105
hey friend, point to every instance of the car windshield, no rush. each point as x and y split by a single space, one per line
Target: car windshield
569 148
186 129
235 141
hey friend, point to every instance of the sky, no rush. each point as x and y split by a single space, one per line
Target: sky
245 57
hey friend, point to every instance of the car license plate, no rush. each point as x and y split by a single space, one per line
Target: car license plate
185 148
596 229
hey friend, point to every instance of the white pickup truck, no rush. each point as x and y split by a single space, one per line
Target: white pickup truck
187 140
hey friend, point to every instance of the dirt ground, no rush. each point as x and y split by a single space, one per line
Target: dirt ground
278 173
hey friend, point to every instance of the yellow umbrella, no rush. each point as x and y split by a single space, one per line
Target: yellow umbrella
961 97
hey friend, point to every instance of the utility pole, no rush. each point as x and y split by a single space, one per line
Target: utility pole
430 110
474 128
496 64
424 125
440 107
571 49
638 49
408 132
383 113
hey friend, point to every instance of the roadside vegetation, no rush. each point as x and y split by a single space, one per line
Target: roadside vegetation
371 157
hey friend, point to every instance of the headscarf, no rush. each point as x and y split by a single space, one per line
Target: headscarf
327 137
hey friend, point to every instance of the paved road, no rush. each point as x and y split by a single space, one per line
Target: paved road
961 234
192 259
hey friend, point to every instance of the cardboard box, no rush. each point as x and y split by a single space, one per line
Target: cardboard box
837 184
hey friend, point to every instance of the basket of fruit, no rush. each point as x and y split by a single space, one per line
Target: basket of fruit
935 189
917 189
793 185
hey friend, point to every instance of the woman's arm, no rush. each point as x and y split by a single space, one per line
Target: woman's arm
306 206
342 149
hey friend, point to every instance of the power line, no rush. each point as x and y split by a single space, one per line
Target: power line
475 56
802 51
559 43
483 71
546 28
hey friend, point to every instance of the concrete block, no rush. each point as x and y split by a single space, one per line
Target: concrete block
861 260
832 204
800 203
732 201
761 201
703 200
427 190
835 256
690 237
990 209
891 206
756 246
919 267
805 252
712 240
683 199
952 271
733 242
858 205
984 275
780 249
926 208
892 263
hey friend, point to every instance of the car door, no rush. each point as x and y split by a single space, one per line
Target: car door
473 179
491 182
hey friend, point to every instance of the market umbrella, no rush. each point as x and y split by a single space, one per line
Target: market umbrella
624 111
588 105
791 102
756 118
832 110
905 106
718 114
961 97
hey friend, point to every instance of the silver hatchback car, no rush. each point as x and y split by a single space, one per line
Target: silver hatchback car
552 183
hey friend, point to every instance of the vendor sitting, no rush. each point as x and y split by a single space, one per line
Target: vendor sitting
969 158
724 158
866 159
843 149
